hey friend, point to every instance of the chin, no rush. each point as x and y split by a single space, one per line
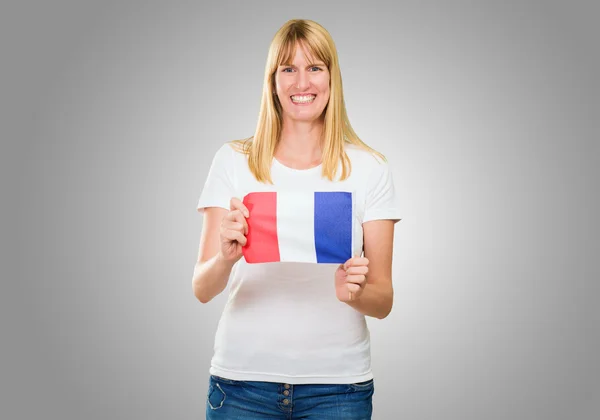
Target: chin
303 117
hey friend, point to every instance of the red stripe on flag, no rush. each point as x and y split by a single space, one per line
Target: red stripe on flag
262 245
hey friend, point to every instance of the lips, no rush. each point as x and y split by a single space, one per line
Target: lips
306 98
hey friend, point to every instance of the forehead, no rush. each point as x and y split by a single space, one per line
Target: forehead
295 53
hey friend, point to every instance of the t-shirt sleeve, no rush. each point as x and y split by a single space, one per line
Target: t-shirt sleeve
382 202
219 186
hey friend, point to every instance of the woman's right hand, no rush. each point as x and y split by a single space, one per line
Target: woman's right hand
234 229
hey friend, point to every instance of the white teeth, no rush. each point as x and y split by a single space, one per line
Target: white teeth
303 99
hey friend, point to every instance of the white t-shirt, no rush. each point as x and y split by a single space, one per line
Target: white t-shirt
282 321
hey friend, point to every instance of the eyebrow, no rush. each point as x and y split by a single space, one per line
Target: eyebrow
309 65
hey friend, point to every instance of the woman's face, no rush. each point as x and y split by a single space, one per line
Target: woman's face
302 88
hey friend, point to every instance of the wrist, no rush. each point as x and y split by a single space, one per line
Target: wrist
223 262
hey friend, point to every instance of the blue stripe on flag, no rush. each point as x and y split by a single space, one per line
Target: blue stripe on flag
333 226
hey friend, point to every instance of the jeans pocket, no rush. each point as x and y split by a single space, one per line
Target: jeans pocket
363 386
215 396
219 379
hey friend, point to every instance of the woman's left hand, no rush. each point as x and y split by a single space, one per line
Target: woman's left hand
351 278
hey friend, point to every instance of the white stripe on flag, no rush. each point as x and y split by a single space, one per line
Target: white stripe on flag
296 226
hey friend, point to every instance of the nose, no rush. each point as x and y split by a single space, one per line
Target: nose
302 81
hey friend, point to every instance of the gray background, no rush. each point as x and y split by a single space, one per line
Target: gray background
488 112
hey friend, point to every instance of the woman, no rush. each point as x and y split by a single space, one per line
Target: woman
292 341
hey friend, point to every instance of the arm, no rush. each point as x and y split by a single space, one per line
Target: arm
377 296
211 273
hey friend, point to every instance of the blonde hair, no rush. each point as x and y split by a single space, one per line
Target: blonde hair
337 130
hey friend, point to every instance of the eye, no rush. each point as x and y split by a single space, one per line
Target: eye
285 70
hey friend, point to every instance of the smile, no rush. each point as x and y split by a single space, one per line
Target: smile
303 99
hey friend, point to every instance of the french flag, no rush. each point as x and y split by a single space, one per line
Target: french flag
299 226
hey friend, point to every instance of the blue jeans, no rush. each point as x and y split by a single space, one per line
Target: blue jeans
252 400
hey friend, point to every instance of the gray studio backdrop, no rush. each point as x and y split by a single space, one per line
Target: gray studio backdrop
487 111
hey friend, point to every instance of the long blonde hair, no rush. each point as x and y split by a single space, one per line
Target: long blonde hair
337 130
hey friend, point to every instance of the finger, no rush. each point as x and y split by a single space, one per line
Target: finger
356 261
239 218
244 224
353 288
361 269
235 222
236 204
234 235
235 226
356 279
236 216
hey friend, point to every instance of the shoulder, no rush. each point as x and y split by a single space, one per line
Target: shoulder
363 159
225 160
228 152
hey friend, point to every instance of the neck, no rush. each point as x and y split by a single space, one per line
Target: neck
300 141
